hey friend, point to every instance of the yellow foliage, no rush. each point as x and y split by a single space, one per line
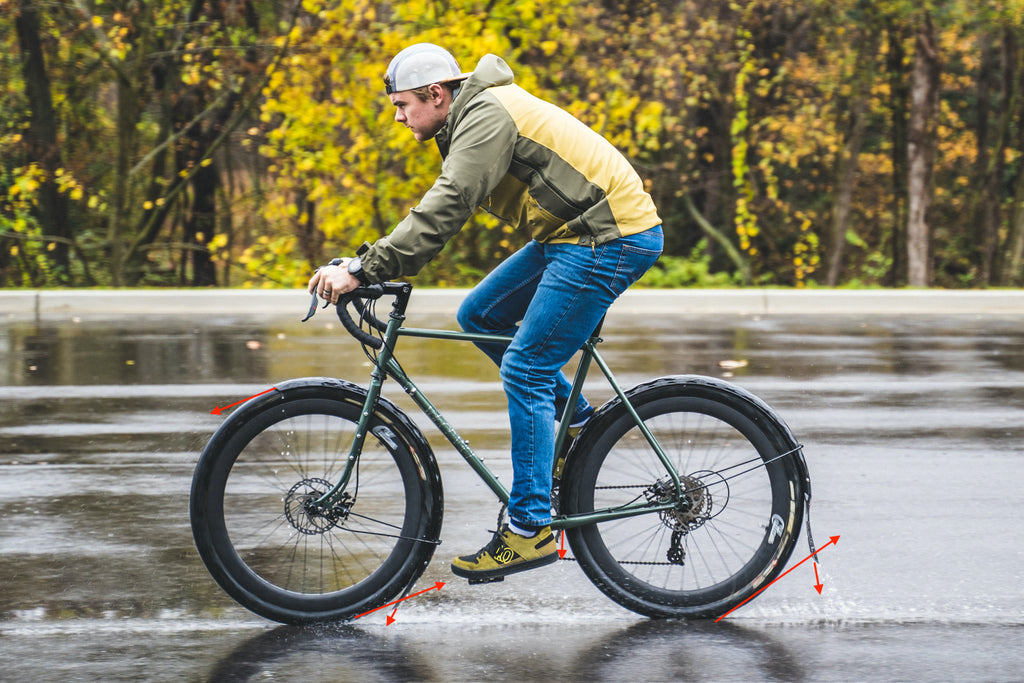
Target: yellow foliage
657 79
335 142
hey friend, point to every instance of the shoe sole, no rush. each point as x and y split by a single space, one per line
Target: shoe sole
489 575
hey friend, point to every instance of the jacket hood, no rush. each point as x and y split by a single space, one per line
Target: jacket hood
492 70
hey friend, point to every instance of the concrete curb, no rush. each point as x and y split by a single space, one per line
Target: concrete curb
56 305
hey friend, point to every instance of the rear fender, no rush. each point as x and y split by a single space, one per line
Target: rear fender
698 385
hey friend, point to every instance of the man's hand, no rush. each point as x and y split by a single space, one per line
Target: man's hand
332 282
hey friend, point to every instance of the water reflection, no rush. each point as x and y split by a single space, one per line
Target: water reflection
657 650
341 654
130 353
670 650
183 351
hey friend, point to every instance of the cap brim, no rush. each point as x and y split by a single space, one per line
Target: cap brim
460 77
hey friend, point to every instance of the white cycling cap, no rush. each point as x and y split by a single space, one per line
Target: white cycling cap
419 65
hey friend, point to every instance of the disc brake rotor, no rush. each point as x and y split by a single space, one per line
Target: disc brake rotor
307 518
692 510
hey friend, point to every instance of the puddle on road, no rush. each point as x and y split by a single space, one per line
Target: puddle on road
101 425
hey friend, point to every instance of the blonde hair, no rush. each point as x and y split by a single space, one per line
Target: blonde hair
423 93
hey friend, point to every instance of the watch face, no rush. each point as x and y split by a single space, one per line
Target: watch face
355 265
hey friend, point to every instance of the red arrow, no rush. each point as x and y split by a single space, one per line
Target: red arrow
391 617
219 409
818 586
561 551
832 540
438 586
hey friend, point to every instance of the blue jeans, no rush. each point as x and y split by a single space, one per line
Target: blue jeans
551 298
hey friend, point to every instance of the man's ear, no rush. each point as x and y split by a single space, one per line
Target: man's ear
436 93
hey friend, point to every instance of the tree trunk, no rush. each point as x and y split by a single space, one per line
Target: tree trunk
311 240
1011 272
920 152
1006 260
126 127
847 180
42 136
991 166
900 96
846 172
1013 265
202 224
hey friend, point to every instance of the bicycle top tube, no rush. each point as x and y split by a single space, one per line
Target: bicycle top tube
402 292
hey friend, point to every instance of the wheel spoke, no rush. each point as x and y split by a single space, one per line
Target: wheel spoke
714 541
305 553
258 522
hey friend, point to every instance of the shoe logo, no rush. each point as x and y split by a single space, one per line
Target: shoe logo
505 555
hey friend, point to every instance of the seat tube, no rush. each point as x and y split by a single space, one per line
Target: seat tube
648 435
574 394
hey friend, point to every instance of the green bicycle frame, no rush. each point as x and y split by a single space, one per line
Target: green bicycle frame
387 366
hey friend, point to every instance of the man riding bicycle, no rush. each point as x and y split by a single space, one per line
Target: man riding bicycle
594 230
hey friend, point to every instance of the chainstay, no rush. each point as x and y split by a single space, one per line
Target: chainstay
724 479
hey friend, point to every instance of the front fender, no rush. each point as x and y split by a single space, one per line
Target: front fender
341 390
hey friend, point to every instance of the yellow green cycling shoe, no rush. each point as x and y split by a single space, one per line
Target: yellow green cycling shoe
507 553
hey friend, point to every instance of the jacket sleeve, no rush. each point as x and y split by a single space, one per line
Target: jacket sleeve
478 158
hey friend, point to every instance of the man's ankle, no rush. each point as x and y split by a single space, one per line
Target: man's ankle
521 531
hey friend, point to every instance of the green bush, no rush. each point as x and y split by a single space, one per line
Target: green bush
687 271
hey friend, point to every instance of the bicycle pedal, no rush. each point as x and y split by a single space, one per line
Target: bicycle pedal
496 579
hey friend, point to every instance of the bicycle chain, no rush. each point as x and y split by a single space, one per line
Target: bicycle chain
572 559
675 553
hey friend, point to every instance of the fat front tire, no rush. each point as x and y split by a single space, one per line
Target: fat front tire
736 523
280 558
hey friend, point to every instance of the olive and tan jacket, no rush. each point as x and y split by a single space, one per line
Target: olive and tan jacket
527 162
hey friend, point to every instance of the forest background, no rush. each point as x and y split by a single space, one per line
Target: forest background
244 142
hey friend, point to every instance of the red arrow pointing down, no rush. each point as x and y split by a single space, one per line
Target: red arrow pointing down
832 540
391 618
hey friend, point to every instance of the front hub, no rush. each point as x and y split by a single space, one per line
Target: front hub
308 518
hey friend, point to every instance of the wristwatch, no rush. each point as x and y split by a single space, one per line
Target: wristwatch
355 269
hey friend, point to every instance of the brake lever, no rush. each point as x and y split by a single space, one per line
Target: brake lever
312 307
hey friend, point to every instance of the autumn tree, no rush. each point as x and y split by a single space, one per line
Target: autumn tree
786 142
343 171
147 96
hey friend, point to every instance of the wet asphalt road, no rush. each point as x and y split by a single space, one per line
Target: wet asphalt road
912 422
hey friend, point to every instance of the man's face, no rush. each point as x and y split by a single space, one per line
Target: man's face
424 119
